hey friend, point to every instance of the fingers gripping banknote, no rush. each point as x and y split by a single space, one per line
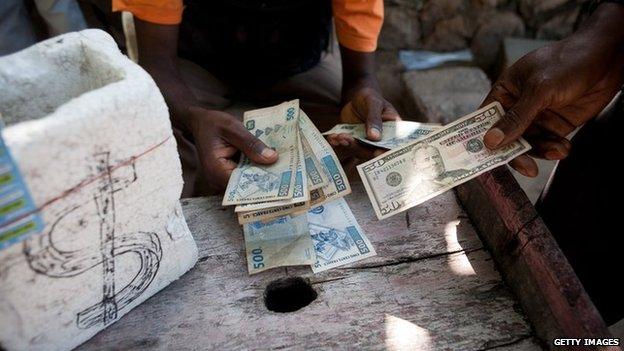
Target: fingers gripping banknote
301 193
394 134
416 172
311 180
278 128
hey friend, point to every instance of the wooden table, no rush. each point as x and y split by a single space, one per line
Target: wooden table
431 286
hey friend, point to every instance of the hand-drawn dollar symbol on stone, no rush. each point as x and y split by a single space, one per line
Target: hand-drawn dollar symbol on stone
45 258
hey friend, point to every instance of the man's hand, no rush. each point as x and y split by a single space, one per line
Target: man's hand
218 137
362 103
369 107
553 90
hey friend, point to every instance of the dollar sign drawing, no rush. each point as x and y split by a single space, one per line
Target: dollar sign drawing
44 257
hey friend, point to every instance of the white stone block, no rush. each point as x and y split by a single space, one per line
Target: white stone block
442 95
91 134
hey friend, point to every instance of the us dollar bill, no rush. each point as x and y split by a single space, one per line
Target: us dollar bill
416 172
284 241
338 185
278 128
338 238
394 134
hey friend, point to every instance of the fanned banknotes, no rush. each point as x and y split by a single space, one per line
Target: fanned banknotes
416 172
319 176
273 201
338 185
394 134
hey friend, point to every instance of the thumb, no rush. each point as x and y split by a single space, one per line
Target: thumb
513 124
252 147
373 122
368 109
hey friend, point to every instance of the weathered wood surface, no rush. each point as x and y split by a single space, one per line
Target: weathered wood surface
530 259
432 286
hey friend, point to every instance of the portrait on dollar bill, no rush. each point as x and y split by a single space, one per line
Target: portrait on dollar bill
431 174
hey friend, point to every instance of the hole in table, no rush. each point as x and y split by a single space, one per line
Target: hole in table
288 294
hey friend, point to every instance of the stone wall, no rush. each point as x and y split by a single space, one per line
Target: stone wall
446 25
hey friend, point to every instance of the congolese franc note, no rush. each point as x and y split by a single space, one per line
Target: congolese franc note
317 178
338 185
301 193
338 238
416 172
284 241
277 127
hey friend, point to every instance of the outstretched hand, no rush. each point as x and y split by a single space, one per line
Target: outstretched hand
553 90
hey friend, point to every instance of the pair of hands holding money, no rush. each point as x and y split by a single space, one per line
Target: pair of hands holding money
547 94
220 136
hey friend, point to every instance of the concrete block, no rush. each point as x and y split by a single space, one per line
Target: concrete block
91 134
516 48
442 95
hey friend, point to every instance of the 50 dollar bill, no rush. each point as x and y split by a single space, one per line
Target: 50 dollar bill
416 172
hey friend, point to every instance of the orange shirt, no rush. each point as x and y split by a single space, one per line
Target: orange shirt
358 22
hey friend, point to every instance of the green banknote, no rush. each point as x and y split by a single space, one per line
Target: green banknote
416 172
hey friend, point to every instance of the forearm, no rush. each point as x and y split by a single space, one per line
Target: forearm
177 94
358 71
158 56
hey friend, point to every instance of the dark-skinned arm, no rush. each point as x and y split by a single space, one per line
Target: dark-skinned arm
553 90
361 95
218 136
158 55
362 101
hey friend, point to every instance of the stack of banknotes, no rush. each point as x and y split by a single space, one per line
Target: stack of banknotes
293 211
427 160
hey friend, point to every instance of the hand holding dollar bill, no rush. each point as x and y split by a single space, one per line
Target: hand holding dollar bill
415 172
395 133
